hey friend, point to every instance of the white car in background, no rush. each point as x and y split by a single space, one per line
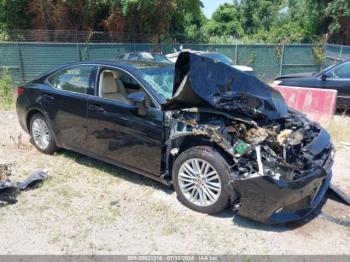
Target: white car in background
216 56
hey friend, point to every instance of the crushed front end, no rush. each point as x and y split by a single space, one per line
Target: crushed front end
280 161
280 170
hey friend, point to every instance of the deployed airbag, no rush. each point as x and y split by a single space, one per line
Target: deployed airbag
202 82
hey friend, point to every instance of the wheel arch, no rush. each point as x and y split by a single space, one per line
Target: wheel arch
35 111
185 142
30 114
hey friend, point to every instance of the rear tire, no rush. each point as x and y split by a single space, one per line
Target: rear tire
200 175
42 135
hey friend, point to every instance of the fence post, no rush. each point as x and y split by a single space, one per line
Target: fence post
78 52
282 60
325 55
20 59
341 52
236 54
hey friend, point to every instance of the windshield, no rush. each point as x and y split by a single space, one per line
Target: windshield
220 57
327 69
160 78
161 58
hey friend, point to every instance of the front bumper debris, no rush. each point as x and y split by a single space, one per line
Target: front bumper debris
271 201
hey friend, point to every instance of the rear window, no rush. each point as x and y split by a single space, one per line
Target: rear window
77 79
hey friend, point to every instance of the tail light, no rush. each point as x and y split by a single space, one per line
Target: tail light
19 91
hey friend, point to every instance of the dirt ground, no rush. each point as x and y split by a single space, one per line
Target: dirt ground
88 207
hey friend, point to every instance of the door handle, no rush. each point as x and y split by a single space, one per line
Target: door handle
48 97
96 108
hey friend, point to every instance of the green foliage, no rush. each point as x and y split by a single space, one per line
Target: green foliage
338 11
13 14
260 21
6 92
281 21
225 22
319 54
251 57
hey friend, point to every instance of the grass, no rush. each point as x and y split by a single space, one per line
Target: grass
339 128
7 104
6 91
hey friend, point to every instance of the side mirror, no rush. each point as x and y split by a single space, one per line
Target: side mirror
138 100
324 77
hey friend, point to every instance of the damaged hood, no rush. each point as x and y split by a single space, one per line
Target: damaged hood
201 82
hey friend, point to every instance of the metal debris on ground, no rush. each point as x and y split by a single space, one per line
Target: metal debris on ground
339 193
9 190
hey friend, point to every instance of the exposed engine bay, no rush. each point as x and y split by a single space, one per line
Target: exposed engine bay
272 148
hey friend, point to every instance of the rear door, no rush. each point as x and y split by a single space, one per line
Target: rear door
66 104
116 132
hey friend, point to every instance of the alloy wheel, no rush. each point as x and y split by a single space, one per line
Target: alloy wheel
41 134
199 182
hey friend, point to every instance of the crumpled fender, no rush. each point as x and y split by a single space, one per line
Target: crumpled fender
201 82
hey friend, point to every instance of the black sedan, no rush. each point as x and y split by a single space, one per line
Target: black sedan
334 77
218 135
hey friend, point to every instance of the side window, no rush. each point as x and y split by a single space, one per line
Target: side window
76 79
117 85
342 71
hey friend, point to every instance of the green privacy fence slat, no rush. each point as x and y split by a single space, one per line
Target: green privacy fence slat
336 54
9 57
346 53
300 58
28 60
109 51
262 58
39 58
268 61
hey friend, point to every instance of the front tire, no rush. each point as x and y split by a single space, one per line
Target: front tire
41 134
199 178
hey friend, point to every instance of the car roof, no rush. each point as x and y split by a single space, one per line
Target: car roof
125 64
128 65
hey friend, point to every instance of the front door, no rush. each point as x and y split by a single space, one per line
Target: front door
116 130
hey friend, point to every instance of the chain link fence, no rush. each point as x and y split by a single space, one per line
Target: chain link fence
336 53
72 36
31 53
27 60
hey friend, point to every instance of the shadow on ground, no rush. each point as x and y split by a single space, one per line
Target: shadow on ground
115 171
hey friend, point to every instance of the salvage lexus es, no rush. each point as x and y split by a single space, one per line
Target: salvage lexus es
219 136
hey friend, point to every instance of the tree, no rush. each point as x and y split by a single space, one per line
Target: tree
259 14
115 22
188 20
226 20
149 17
339 28
12 15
